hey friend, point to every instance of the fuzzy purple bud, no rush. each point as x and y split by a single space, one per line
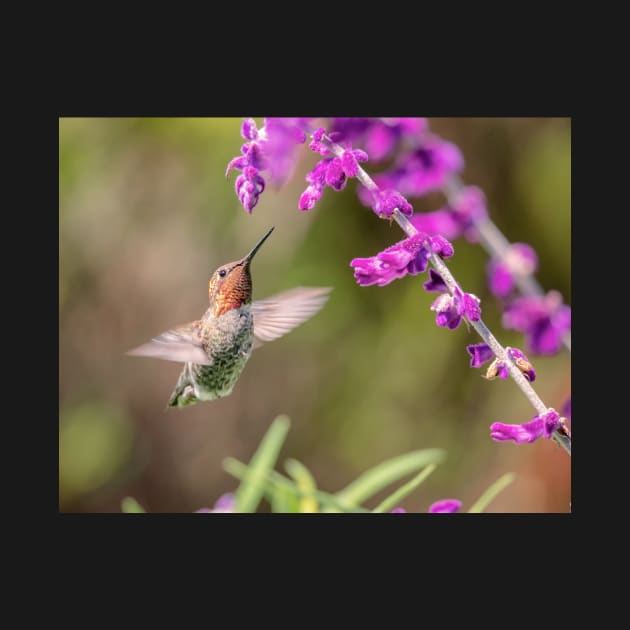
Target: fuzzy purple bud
316 145
249 131
350 160
384 202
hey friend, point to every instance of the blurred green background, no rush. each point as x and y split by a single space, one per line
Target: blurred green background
146 215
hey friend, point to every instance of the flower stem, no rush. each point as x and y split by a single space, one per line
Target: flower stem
479 326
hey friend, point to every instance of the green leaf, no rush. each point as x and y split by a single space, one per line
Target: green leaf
241 471
389 471
395 498
491 493
252 488
305 483
130 506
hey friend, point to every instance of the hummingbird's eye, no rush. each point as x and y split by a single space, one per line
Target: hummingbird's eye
222 273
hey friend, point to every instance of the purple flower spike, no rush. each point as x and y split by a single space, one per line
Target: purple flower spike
451 308
398 511
543 320
271 149
384 202
480 353
445 506
225 503
409 256
539 426
436 283
520 259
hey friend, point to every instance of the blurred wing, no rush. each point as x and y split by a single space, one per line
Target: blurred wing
279 314
181 344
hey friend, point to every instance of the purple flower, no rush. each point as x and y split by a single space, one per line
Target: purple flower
520 259
540 426
225 503
543 320
270 148
423 170
481 353
458 219
445 506
451 309
409 256
436 283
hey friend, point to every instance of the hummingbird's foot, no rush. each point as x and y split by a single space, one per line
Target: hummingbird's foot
185 398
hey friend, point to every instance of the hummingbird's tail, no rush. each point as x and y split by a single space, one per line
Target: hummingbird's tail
184 393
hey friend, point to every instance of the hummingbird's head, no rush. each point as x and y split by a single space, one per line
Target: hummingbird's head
231 285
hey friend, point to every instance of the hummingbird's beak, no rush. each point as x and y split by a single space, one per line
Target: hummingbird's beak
247 259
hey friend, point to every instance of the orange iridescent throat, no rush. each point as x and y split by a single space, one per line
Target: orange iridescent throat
234 291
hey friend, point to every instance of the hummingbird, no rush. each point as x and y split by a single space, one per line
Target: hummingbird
215 348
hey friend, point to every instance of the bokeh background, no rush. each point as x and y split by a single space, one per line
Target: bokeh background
146 215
